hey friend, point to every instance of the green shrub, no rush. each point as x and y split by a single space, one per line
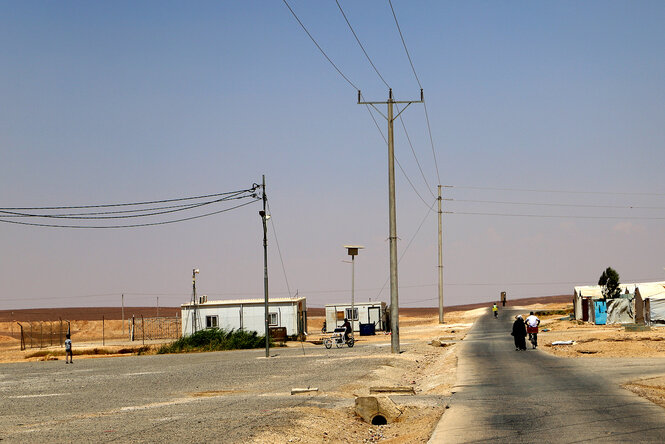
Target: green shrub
214 339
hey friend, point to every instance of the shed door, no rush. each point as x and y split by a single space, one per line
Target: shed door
585 310
374 317
600 311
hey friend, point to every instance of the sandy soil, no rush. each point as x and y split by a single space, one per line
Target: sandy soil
429 369
598 340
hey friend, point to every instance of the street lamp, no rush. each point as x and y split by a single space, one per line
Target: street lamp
264 218
352 251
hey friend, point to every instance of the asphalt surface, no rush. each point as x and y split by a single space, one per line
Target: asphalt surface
503 395
225 397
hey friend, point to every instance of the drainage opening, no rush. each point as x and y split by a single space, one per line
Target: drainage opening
379 420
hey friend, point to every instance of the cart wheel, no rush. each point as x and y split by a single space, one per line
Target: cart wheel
339 342
350 342
327 342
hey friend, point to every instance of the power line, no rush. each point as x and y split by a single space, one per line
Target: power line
396 160
361 45
286 279
350 82
554 216
319 47
414 155
90 216
622 193
128 226
631 207
429 127
404 43
127 204
407 246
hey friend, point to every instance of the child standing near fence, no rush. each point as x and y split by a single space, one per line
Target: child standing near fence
68 351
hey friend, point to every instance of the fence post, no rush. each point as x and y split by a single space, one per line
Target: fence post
60 332
103 331
51 333
31 335
22 337
142 329
132 333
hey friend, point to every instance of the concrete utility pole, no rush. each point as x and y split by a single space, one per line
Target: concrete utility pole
440 260
394 299
195 302
264 218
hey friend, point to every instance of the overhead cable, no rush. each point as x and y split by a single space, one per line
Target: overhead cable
631 207
351 83
407 247
319 47
279 250
531 190
553 216
131 225
408 55
205 196
361 45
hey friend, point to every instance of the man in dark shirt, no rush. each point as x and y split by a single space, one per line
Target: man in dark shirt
347 329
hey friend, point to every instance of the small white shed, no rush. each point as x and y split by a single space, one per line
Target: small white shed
363 313
246 314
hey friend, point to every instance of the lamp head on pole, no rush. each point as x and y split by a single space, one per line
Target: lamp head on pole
352 250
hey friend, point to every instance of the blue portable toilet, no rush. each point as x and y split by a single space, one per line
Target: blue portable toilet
600 311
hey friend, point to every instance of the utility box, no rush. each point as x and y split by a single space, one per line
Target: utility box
503 298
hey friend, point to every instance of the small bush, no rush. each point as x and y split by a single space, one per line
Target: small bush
214 339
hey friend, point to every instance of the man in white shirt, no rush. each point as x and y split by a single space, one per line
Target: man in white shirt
532 323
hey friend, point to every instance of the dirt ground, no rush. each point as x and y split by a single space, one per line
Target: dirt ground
429 369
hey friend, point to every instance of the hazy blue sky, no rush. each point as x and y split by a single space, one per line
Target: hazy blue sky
110 102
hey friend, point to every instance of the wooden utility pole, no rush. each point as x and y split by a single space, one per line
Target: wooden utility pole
394 298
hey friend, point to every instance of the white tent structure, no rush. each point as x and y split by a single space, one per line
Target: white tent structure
619 312
653 295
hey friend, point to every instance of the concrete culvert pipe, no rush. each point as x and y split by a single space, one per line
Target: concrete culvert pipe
377 410
379 420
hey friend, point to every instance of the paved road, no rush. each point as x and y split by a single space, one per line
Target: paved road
206 397
503 395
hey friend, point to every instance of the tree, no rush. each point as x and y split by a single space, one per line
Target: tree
610 282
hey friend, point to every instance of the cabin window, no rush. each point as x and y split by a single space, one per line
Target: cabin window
352 316
211 321
272 320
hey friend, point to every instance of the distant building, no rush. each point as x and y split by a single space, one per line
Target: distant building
363 313
245 314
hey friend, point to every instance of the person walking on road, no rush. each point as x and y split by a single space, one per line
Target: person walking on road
495 310
69 358
519 333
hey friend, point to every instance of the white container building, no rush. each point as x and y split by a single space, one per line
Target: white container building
365 313
246 314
